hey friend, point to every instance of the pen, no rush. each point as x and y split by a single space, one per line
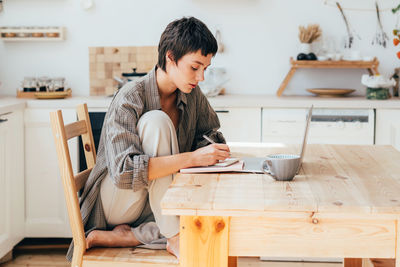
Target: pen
212 142
208 139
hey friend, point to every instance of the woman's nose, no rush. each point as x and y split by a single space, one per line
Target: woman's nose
200 76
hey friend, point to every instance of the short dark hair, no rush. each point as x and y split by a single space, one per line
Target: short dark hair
183 36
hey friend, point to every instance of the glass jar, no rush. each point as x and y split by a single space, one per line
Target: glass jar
29 84
58 84
43 83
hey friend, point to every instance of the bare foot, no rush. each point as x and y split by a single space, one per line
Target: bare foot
120 236
173 245
383 262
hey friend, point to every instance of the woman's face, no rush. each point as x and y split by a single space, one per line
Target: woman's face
189 70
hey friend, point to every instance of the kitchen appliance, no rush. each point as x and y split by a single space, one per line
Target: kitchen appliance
328 126
128 77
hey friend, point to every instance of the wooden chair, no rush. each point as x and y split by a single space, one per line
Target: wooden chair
73 183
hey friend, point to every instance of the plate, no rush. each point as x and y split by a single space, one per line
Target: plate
53 95
330 92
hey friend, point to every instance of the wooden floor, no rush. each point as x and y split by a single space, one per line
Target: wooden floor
48 258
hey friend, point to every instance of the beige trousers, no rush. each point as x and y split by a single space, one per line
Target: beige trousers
158 138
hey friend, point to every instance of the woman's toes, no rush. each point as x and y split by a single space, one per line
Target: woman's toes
90 239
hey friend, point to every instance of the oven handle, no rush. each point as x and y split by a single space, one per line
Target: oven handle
329 118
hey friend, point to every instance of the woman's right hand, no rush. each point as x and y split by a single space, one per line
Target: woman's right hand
209 155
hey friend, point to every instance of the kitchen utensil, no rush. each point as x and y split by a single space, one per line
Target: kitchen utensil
133 74
128 77
330 92
214 79
221 46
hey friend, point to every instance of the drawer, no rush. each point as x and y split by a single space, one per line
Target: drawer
240 124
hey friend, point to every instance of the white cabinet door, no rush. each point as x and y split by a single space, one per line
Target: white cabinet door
283 125
11 181
46 212
240 124
388 127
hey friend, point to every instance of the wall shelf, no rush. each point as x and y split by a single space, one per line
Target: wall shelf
370 66
32 33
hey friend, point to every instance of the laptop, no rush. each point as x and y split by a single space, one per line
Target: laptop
254 164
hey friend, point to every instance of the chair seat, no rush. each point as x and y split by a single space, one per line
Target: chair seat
132 257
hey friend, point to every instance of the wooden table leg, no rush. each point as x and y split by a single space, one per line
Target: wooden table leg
204 241
286 81
232 261
370 72
350 262
397 259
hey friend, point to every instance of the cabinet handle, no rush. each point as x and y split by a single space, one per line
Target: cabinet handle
3 120
3 114
222 111
288 121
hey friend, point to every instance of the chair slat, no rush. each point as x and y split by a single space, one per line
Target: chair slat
75 129
80 178
87 138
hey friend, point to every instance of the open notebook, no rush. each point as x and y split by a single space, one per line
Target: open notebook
229 165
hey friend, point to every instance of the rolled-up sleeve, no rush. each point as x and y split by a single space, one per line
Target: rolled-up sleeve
127 163
207 123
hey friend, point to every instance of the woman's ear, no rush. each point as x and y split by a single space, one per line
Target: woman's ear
169 57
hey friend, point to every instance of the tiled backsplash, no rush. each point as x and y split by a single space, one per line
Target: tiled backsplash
107 62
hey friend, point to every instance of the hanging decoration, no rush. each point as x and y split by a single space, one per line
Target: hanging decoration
380 37
396 30
332 3
350 31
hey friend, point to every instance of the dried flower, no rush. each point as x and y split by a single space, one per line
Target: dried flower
310 33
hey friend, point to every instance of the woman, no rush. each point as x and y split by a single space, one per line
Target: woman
153 128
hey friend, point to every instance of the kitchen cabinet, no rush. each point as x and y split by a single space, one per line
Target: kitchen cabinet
388 127
46 212
328 126
11 180
240 124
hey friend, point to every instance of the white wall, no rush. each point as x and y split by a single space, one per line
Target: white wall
259 35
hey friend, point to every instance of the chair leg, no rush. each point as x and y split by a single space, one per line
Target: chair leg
77 258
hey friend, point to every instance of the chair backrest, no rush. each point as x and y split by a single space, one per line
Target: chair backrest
73 183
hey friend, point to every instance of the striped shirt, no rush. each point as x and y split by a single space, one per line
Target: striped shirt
120 153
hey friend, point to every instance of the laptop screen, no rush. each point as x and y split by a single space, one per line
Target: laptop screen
303 147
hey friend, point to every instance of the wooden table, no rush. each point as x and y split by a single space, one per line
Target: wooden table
345 202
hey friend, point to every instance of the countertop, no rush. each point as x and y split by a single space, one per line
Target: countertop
9 104
101 103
